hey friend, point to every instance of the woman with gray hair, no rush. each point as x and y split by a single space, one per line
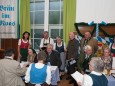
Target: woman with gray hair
95 78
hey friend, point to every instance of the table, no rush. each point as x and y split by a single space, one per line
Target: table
111 80
55 75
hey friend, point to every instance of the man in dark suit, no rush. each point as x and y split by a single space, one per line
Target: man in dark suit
72 54
84 59
88 40
53 57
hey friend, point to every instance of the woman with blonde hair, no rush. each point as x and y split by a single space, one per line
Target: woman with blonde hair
107 58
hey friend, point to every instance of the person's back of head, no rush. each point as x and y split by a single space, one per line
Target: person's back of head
96 64
42 56
9 52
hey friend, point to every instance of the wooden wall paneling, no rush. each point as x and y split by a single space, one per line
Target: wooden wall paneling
10 43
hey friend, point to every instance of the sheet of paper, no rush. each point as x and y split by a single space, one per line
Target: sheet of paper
23 63
77 76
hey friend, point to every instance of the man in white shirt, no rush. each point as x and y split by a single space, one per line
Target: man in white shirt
95 78
46 40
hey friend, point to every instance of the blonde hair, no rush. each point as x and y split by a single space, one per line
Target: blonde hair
106 49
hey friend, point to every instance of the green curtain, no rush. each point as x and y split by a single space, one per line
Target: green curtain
24 16
69 16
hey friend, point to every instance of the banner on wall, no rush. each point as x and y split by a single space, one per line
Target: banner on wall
8 18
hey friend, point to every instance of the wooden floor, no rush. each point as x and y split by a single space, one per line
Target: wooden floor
64 82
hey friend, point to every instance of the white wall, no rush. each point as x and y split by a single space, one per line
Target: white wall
95 10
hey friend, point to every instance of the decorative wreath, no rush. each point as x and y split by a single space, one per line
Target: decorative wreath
94 29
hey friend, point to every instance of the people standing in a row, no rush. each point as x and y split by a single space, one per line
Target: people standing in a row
23 44
45 40
72 55
89 40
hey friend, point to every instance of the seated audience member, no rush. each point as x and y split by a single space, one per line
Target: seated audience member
107 59
61 48
95 78
32 56
112 47
84 59
38 73
10 70
45 40
53 57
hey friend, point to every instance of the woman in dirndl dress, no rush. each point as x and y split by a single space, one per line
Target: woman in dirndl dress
23 45
61 48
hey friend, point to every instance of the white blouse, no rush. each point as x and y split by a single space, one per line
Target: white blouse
39 65
19 42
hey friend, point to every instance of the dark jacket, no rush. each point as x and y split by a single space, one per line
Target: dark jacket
54 59
92 42
81 61
72 49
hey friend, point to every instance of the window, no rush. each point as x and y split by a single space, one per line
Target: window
45 15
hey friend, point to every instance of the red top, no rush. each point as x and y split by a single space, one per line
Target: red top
114 55
24 45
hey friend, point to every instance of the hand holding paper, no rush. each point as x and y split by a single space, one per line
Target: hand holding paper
77 76
82 80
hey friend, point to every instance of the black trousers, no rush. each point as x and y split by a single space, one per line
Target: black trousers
71 69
